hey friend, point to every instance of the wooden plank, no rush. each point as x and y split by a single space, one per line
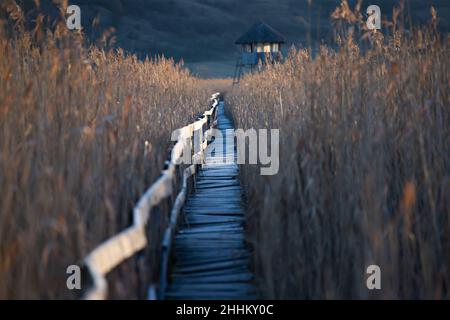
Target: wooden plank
226 278
217 273
213 266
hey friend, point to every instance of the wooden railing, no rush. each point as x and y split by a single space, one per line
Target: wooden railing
125 244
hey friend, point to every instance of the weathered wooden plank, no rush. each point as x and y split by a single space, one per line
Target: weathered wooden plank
211 245
213 220
214 266
210 229
192 260
230 209
196 222
211 237
198 295
227 252
235 270
203 254
222 189
202 199
237 287
226 278
214 225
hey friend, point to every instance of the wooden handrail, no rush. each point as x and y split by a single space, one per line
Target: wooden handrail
125 244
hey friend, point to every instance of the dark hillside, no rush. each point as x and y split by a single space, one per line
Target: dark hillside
202 32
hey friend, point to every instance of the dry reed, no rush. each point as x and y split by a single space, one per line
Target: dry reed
83 132
365 170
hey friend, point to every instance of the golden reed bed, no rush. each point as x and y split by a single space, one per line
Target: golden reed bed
364 169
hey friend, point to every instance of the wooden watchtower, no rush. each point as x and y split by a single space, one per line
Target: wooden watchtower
260 45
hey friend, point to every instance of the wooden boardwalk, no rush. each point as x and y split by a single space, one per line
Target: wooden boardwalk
210 254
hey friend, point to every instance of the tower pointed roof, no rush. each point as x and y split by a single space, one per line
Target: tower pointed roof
259 33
